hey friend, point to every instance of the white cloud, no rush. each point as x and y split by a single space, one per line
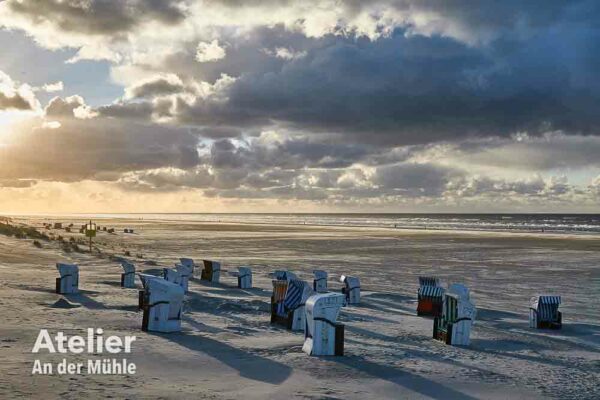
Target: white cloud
53 87
207 52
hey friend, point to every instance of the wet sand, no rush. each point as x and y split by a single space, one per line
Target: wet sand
229 350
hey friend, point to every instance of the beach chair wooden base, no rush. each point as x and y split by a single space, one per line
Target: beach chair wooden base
339 339
58 281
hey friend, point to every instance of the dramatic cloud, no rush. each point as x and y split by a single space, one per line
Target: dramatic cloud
376 104
16 97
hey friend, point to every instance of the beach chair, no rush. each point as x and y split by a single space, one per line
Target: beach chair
188 262
211 271
320 281
163 305
543 312
175 276
144 278
297 293
244 278
458 315
185 271
283 275
351 289
430 297
68 282
324 336
128 275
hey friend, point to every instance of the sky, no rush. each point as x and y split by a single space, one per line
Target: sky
287 106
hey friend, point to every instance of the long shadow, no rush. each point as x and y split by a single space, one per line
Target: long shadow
86 301
249 365
230 290
404 378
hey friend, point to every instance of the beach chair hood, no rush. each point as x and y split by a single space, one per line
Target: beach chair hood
128 267
67 269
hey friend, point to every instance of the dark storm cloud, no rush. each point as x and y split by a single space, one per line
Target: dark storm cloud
158 86
98 17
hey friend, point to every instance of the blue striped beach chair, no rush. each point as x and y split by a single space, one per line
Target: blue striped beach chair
543 312
430 297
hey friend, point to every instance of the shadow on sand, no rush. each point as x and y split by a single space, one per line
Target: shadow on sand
249 365
406 379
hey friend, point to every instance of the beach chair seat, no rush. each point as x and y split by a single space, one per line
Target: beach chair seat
453 327
430 297
543 312
320 281
163 305
211 271
323 335
128 275
351 289
68 282
244 278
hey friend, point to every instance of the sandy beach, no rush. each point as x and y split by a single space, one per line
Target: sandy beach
229 350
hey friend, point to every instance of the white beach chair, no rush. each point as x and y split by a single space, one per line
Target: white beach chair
211 271
68 282
351 289
543 312
320 281
185 271
163 305
128 275
458 316
244 277
188 262
173 276
323 336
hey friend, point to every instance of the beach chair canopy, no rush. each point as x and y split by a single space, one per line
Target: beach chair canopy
431 291
67 269
546 306
296 294
188 262
428 281
128 267
172 275
320 274
324 307
244 271
145 278
459 291
212 265
351 282
184 270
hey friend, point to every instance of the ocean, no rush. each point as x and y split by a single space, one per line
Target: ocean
550 223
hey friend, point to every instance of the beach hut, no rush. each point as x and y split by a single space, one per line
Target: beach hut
68 282
430 297
351 289
324 336
543 312
458 315
128 275
320 281
162 305
188 262
244 278
211 271
185 271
